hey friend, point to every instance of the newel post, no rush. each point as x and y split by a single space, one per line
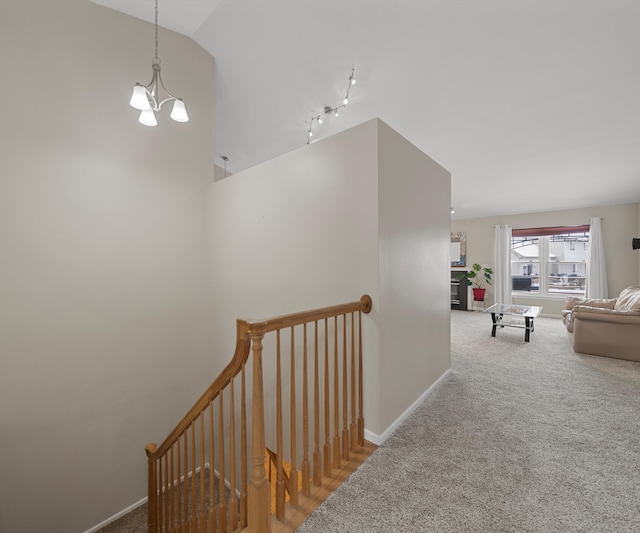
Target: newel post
152 506
259 490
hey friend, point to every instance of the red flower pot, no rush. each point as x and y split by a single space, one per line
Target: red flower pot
478 294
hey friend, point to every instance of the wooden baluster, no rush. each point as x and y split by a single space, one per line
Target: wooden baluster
178 491
160 494
345 397
194 476
172 493
336 397
317 467
222 507
212 476
185 483
279 444
360 395
327 403
353 432
243 453
152 505
259 495
306 485
293 473
203 473
233 499
167 494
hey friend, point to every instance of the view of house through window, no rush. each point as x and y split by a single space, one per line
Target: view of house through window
549 261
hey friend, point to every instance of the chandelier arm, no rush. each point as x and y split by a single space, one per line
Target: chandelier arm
152 90
171 97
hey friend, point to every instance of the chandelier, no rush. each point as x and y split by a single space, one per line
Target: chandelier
147 99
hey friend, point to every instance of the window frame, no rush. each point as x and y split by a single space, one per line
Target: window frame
543 235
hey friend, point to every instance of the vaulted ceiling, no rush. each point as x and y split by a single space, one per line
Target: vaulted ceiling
533 105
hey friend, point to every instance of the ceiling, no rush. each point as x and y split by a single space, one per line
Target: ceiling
533 105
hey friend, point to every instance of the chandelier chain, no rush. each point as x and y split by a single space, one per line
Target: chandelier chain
156 56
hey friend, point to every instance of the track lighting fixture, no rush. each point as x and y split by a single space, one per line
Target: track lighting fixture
146 98
328 110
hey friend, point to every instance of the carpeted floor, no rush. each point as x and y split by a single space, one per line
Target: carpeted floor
522 437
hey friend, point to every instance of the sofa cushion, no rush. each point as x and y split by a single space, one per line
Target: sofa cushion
629 299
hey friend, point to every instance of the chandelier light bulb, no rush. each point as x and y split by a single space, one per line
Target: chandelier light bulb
345 101
148 117
353 80
179 111
310 133
139 98
336 114
320 120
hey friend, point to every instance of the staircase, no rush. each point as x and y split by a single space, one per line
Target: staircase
293 390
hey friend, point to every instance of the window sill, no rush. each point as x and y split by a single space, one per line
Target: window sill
533 296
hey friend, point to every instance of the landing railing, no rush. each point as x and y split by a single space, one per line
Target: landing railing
198 477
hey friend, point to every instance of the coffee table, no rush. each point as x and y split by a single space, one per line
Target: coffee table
528 312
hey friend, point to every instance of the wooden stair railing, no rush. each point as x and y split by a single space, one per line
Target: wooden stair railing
198 477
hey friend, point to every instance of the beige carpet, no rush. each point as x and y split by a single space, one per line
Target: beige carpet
523 437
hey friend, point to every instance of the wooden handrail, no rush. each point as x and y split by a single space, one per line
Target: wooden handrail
179 501
296 319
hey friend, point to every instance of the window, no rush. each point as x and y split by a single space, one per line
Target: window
549 261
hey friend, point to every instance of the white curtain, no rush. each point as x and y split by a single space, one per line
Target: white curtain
502 271
596 268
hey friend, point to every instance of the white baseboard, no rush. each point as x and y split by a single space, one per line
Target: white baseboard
117 515
378 440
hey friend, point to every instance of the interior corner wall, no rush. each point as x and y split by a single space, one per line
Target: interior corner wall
620 222
103 271
414 306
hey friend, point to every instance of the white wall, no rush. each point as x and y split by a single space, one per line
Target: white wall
103 264
619 226
308 229
414 308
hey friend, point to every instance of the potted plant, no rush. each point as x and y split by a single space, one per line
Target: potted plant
478 277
